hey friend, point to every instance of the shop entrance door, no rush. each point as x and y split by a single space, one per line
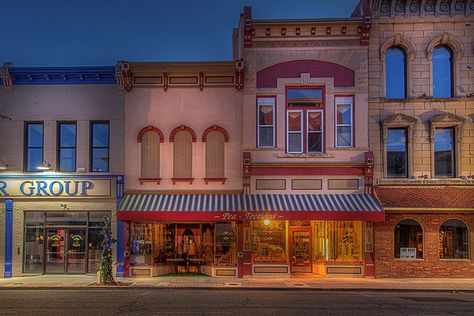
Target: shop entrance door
66 251
300 249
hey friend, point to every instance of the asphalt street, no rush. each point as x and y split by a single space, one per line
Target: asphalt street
231 302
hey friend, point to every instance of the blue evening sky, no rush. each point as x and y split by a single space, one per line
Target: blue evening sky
100 32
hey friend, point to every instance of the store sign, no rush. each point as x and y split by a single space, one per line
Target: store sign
55 187
247 216
407 253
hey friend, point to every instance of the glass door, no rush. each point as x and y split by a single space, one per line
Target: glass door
76 251
55 250
66 251
300 249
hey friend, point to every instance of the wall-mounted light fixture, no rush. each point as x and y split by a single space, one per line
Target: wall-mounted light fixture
44 166
3 165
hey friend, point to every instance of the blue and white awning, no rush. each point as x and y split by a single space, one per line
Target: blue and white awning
284 206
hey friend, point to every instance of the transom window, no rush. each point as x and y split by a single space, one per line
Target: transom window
444 152
397 153
442 72
304 120
395 73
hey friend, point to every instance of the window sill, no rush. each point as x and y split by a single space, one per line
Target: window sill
455 260
143 180
424 99
305 155
410 260
222 180
349 148
175 180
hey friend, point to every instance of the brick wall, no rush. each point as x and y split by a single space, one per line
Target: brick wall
386 266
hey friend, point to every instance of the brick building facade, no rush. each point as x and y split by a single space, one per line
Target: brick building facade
419 177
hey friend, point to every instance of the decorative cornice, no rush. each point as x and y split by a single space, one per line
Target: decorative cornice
406 8
57 75
306 43
400 120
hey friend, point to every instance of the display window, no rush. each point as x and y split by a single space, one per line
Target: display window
453 240
408 240
338 242
269 241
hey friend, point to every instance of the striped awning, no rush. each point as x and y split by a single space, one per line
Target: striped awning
241 207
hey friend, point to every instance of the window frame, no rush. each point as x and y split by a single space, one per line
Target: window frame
59 147
304 116
26 147
405 128
405 69
301 132
394 240
308 132
352 125
91 145
468 250
273 118
451 69
453 151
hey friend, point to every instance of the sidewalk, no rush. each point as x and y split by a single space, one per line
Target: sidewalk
82 281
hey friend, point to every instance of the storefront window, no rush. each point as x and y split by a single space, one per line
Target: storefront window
269 242
408 240
453 240
34 249
338 241
141 243
226 248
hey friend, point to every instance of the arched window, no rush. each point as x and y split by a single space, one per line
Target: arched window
215 138
395 73
183 155
453 240
150 160
442 72
408 240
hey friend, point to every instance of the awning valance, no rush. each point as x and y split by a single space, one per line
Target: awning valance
219 207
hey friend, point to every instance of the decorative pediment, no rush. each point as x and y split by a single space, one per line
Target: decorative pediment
447 120
399 120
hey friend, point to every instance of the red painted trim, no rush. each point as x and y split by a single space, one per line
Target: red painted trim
218 216
353 118
260 171
143 180
215 128
222 180
274 120
182 128
343 76
148 129
190 180
304 114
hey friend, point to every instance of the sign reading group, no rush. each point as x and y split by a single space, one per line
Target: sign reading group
54 187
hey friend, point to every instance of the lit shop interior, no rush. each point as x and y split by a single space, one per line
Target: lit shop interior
269 247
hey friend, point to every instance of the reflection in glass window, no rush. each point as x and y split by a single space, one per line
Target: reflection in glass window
226 243
295 131
444 152
442 72
343 122
395 73
338 241
266 122
315 131
34 146
453 240
397 153
67 147
408 240
99 147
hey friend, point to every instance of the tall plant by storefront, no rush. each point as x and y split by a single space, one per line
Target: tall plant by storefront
106 263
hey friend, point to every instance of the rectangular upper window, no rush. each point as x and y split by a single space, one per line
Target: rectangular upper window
304 97
34 140
266 122
397 153
99 146
444 152
344 122
67 147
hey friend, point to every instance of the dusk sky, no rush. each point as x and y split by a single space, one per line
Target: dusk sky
100 32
